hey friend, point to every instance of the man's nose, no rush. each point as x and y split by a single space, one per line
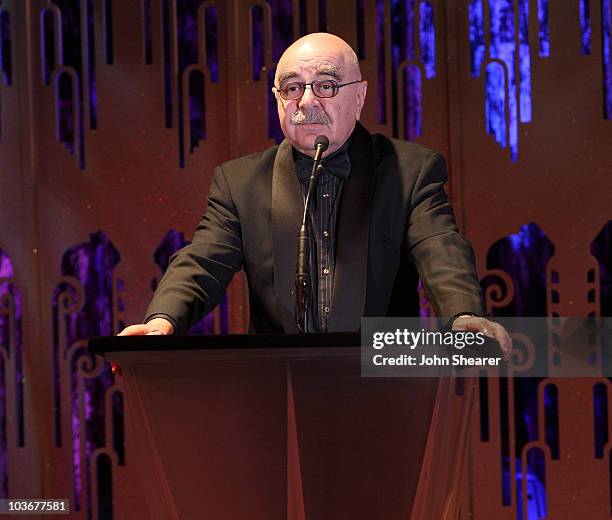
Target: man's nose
308 99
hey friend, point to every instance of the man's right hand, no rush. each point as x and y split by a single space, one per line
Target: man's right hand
155 327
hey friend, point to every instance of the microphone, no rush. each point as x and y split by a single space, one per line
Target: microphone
320 145
303 283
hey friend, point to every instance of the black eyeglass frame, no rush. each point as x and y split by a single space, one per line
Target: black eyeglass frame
337 86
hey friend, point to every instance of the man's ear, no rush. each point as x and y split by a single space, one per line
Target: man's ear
361 95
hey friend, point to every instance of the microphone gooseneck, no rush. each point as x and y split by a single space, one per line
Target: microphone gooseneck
320 145
303 283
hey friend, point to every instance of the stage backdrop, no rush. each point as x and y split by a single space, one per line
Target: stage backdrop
113 115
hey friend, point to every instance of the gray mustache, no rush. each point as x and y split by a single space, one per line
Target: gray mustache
304 117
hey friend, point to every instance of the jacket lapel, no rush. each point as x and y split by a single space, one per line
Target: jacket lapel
350 275
287 209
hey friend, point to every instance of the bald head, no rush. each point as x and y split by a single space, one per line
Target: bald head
319 57
319 43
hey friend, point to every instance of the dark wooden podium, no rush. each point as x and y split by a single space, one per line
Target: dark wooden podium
284 427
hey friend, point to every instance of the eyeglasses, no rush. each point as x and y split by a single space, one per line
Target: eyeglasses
322 88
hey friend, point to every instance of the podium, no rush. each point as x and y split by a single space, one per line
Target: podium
284 427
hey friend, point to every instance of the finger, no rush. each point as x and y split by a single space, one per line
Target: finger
133 330
468 324
153 333
488 329
485 330
505 343
495 332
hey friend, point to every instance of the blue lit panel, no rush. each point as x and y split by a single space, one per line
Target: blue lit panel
5 47
544 31
380 60
427 34
192 19
70 89
64 109
257 39
501 86
83 309
607 65
503 108
600 418
495 103
413 58
601 249
412 101
585 27
11 347
281 13
477 44
503 48
47 37
524 256
5 53
551 419
535 482
197 109
212 56
525 62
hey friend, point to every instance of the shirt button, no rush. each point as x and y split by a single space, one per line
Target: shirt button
326 309
326 271
325 233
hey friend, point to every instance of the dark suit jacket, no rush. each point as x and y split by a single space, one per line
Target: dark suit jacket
395 223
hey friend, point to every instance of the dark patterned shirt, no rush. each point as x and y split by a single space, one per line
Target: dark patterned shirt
323 220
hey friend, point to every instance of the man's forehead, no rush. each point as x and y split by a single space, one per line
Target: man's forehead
301 68
318 54
312 52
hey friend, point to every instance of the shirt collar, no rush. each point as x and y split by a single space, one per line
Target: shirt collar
338 163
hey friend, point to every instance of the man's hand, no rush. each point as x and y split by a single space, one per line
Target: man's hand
155 327
488 328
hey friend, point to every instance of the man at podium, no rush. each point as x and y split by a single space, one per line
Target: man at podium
379 220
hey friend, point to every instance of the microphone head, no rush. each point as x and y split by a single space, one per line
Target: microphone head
321 141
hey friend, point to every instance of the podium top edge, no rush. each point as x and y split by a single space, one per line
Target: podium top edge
108 344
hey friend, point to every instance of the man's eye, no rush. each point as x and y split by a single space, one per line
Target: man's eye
326 85
292 88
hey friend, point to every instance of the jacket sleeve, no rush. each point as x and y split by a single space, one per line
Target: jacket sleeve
442 256
198 274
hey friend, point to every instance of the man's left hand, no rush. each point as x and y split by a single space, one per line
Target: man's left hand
488 328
